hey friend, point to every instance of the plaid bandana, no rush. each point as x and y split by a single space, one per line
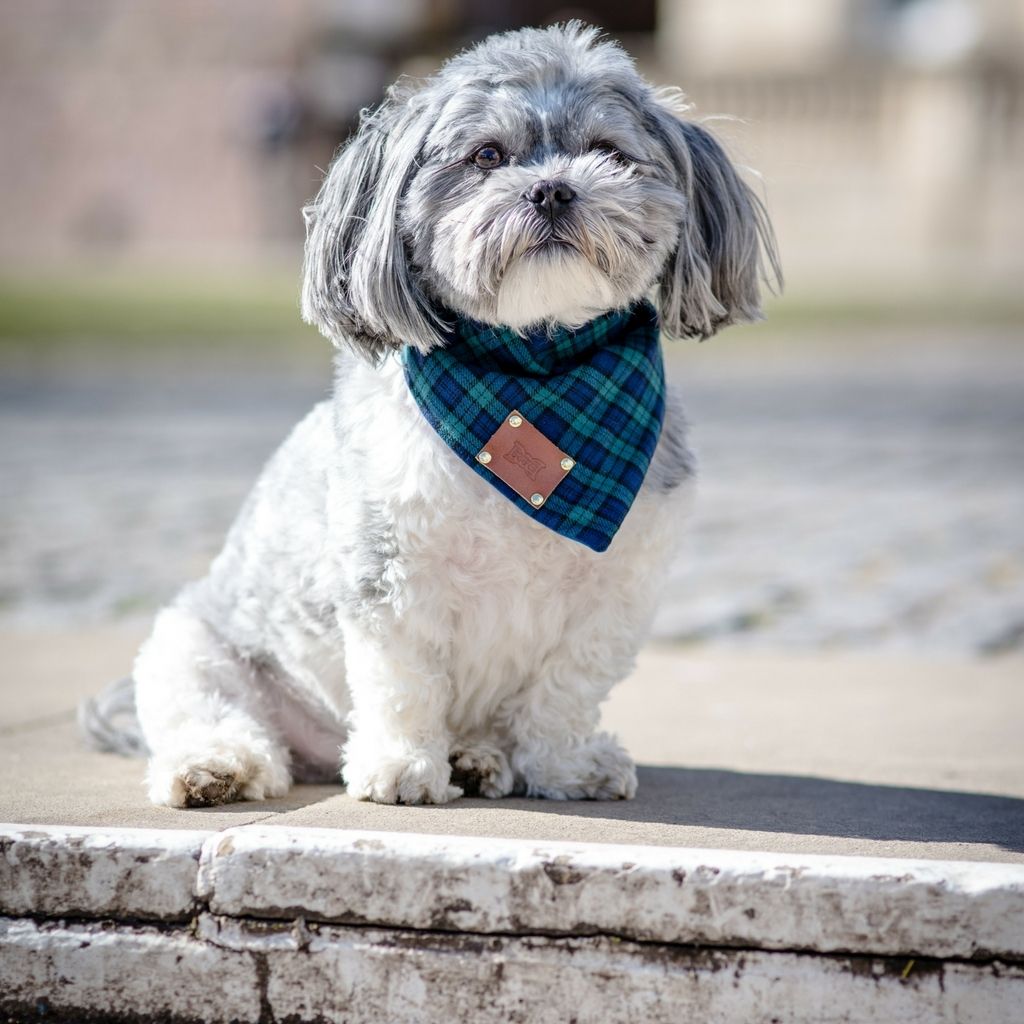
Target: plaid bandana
598 394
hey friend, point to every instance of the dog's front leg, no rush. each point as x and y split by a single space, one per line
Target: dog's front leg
398 745
557 752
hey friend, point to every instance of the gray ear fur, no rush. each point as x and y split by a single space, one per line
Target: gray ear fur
726 244
357 285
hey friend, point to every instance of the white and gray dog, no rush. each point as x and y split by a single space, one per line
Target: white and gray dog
377 605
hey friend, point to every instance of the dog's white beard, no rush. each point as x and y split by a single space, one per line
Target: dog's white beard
557 287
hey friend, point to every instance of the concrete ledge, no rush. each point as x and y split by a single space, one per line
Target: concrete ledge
56 970
652 894
127 873
241 971
260 923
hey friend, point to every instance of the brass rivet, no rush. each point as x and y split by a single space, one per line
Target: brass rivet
515 421
484 457
537 500
567 464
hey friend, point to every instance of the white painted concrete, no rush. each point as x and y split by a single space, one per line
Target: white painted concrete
239 971
135 971
654 894
121 873
260 923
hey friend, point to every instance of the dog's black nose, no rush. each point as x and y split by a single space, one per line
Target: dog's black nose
551 196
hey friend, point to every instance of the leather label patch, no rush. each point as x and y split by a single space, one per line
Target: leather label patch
520 455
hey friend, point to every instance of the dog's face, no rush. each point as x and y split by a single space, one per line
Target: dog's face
542 200
537 179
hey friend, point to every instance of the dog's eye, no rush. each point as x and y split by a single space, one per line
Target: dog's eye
488 157
609 149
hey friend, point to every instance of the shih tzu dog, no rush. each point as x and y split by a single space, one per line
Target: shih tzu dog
443 570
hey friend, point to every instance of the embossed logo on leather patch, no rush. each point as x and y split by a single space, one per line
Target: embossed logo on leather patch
520 455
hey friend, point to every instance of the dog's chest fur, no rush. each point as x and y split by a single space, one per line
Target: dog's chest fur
365 517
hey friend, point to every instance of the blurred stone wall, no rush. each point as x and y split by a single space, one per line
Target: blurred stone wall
135 127
184 131
890 133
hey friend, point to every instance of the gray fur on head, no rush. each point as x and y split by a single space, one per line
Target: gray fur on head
407 226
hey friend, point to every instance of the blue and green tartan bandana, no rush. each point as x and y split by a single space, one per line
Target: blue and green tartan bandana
597 393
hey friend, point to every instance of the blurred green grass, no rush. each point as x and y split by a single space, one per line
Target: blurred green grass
151 310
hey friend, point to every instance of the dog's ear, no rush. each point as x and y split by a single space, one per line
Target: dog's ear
357 287
726 243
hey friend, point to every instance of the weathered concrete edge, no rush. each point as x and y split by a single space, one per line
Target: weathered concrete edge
749 900
667 895
226 971
118 873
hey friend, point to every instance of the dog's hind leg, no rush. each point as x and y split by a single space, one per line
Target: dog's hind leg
202 715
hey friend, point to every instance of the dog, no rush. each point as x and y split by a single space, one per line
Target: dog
400 609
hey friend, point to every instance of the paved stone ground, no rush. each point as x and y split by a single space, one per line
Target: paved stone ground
858 491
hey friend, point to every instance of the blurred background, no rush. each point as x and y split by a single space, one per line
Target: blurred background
862 452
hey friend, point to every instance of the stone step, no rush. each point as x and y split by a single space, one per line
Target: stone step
262 923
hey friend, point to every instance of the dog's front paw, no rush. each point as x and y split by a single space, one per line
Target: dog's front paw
482 769
598 769
418 777
217 774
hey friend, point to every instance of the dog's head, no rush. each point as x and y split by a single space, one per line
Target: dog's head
536 179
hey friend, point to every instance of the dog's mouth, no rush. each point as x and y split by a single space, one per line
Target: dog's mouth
580 244
552 245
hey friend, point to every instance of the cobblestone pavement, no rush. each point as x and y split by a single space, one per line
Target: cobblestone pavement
856 493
